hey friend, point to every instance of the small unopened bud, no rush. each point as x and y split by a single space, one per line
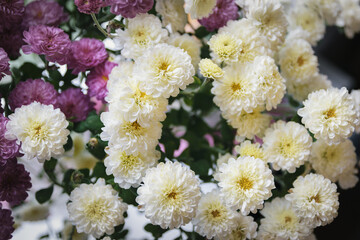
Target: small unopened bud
93 142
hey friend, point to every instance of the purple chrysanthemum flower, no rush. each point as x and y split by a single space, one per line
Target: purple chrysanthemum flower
97 80
8 148
89 6
15 181
43 12
86 54
129 8
11 41
30 91
53 42
74 104
11 13
224 11
6 223
4 64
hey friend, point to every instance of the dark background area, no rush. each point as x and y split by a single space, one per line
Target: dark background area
342 55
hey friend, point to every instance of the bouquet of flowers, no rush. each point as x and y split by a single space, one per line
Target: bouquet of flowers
143 104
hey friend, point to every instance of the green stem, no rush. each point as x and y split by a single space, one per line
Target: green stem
99 26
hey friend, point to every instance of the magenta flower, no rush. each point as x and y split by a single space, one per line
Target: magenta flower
15 181
74 104
86 54
97 80
8 148
42 12
11 13
11 41
130 8
6 223
50 41
30 91
224 11
89 6
4 64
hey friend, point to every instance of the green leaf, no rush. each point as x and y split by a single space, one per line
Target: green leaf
44 195
49 166
68 186
94 123
99 171
69 144
201 32
155 230
128 195
30 70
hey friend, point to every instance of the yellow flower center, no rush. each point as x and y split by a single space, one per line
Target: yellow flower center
245 183
133 128
300 61
95 211
316 198
330 113
38 131
105 78
140 37
128 161
235 87
287 147
252 151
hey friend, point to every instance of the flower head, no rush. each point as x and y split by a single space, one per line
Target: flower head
245 229
9 149
199 8
89 6
4 63
74 104
96 208
30 91
42 12
130 8
245 182
209 69
355 95
169 195
40 129
250 149
225 47
15 181
173 13
11 41
11 13
53 42
6 223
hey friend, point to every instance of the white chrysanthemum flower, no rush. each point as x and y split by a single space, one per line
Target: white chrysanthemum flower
245 183
245 229
190 44
287 145
128 170
209 69
355 95
349 17
213 218
272 84
40 129
164 69
281 221
297 33
238 90
173 13
329 114
307 17
96 208
222 159
332 160
247 148
199 8
169 195
142 32
251 124
315 199
330 10
300 91
130 137
348 178
270 19
33 212
253 43
297 60
137 105
118 75
225 47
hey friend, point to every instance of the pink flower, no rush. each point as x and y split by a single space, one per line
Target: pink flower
89 6
42 12
130 8
4 64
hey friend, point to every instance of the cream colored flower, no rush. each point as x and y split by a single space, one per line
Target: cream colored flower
355 95
287 145
173 13
349 17
164 70
199 8
33 212
331 161
281 221
213 218
348 179
300 90
169 195
142 32
253 43
298 62
314 198
329 114
250 149
190 44
96 208
128 170
270 19
245 183
330 10
245 229
40 129
209 69
238 90
225 47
